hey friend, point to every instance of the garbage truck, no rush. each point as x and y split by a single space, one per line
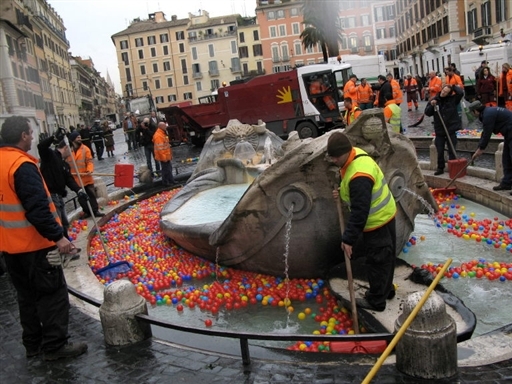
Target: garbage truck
306 99
471 59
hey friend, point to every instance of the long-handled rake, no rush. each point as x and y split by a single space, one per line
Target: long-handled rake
114 267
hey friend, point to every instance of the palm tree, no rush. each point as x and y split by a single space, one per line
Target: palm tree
321 18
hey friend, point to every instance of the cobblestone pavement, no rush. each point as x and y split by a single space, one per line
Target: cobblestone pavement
155 362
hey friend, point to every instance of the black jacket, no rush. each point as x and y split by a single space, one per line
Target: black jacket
145 135
55 170
385 88
97 134
448 110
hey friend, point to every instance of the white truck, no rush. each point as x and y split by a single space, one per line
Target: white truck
369 66
471 59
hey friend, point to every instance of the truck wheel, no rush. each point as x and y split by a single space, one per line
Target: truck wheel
307 129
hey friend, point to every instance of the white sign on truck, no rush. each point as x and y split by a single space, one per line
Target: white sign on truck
368 67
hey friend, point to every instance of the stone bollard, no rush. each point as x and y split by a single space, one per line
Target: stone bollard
428 348
433 155
117 313
499 162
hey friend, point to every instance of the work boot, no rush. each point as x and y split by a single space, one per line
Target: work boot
67 350
363 303
439 171
502 187
32 351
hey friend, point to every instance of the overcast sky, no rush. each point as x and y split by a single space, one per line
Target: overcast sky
90 23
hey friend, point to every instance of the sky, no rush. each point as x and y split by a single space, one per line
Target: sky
90 23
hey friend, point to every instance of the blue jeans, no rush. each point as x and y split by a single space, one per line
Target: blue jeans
364 106
149 151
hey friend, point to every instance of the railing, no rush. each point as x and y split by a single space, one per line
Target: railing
243 337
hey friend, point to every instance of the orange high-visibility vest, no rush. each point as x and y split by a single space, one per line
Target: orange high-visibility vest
350 90
364 93
454 80
398 95
434 86
83 159
17 234
163 151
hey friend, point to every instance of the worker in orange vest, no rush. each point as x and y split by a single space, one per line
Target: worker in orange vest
163 153
395 86
434 84
365 95
452 78
31 240
505 87
83 159
319 86
350 90
352 111
411 88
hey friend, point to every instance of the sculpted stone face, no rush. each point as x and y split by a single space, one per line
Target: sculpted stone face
254 197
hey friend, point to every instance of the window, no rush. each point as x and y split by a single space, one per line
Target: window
501 11
212 68
296 28
141 53
139 42
211 50
166 49
275 53
142 69
298 48
199 86
196 69
215 84
294 12
181 47
169 82
381 33
243 52
180 35
185 80
124 44
235 64
233 47
128 74
164 38
167 66
367 41
194 53
280 14
184 65
282 30
271 15
272 31
155 67
151 40
159 99
187 96
472 21
124 58
241 37
153 51
171 97
257 50
145 85
285 55
365 20
157 83
352 41
255 35
486 14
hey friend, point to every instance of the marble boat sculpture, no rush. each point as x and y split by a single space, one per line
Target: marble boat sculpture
248 183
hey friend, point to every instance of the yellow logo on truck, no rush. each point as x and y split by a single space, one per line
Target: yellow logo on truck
285 95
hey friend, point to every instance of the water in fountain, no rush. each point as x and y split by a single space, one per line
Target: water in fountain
288 231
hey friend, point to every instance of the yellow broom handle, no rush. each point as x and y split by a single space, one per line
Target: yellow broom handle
406 324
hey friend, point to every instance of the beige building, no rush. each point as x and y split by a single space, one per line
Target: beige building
154 58
214 52
250 49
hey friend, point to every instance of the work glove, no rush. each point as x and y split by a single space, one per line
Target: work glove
82 195
54 258
59 135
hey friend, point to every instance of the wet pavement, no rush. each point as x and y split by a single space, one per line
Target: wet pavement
154 361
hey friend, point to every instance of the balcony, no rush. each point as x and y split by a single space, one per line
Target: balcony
276 59
353 50
213 72
432 44
480 35
235 69
197 75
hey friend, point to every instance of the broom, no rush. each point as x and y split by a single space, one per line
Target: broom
114 267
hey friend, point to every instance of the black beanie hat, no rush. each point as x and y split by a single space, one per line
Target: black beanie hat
338 144
73 135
